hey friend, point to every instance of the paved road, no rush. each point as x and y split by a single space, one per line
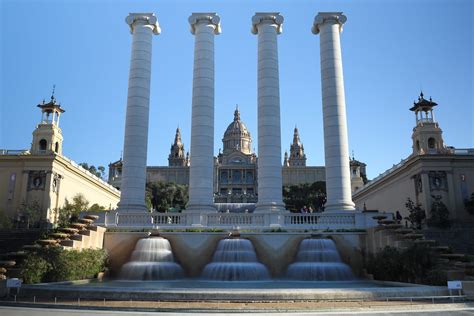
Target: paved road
448 309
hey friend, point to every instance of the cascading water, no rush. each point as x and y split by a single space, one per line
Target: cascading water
319 260
235 260
152 259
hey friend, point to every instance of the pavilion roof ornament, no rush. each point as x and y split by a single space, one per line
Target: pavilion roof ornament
422 104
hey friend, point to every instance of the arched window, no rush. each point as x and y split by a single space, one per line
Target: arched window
418 145
43 144
431 143
56 147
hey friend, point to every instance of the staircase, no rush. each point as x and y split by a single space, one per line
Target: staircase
459 237
453 246
13 239
15 245
11 249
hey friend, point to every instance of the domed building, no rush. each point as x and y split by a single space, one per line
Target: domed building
235 176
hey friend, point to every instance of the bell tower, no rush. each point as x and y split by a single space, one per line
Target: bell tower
427 136
297 155
177 155
47 137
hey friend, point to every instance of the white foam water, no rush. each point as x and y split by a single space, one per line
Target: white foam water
319 260
235 260
152 259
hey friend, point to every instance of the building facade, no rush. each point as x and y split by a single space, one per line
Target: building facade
43 176
236 167
432 171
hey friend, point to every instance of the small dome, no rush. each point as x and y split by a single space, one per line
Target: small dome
237 136
237 127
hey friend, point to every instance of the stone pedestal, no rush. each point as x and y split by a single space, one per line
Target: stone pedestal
201 189
142 27
267 26
338 181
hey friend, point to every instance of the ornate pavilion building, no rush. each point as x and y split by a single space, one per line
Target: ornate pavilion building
433 171
235 167
44 177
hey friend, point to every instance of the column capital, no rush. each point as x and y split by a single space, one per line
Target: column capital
211 19
143 19
324 17
267 18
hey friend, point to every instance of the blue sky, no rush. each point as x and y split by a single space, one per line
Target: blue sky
391 50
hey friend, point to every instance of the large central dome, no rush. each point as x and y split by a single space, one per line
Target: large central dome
237 136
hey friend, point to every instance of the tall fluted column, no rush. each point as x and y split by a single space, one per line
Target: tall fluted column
338 181
201 190
268 26
142 27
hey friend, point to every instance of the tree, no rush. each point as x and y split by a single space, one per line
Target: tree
70 211
311 195
96 208
99 171
5 221
32 211
439 213
164 196
416 213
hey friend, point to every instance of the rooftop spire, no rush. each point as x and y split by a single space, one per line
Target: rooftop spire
177 137
52 93
296 137
236 113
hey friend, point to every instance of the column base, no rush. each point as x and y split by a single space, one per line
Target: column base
132 208
201 208
340 206
270 207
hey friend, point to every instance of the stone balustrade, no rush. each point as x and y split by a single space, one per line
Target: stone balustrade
317 221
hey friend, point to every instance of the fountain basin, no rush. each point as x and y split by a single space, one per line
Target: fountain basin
199 290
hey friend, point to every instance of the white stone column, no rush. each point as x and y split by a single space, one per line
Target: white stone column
268 26
142 27
201 189
338 181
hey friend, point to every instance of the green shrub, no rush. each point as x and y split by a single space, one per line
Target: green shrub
62 265
34 268
416 264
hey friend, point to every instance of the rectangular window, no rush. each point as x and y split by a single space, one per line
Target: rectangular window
11 186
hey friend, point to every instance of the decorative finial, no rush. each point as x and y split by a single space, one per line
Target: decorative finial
236 113
353 155
52 93
421 94
121 154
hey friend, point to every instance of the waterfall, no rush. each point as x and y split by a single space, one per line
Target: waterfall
152 259
319 260
235 260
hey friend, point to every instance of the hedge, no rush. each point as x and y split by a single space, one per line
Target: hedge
54 264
